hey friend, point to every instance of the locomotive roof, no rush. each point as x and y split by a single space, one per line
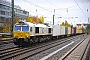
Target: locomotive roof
32 24
40 25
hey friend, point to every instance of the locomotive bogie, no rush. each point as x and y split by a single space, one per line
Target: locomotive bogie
21 41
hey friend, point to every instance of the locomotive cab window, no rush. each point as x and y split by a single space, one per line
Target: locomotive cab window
49 30
17 28
37 30
25 28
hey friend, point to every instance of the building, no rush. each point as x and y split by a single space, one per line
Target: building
6 11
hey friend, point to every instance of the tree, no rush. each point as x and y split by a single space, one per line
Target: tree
29 19
63 24
66 24
35 19
42 20
16 18
88 28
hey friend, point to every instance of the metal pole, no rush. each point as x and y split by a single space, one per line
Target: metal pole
12 15
53 16
53 19
88 21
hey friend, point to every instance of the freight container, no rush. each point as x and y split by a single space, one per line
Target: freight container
56 30
62 30
74 30
83 31
79 31
66 30
69 30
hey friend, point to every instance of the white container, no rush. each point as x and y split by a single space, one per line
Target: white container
62 30
69 30
56 30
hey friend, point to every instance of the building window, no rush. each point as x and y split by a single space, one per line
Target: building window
15 10
6 7
21 11
8 19
18 10
1 6
7 13
24 12
2 18
3 12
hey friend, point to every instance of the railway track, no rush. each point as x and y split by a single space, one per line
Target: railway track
23 53
88 53
81 56
5 41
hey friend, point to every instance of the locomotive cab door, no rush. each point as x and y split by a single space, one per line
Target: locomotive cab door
32 31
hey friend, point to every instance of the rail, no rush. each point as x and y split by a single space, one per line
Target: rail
5 33
69 52
81 57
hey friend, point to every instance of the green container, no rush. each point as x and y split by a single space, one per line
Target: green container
66 30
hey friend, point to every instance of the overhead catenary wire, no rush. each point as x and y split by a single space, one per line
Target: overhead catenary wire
53 5
80 8
70 7
62 8
39 6
35 5
35 13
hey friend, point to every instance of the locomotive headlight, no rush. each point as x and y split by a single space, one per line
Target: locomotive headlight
26 36
15 36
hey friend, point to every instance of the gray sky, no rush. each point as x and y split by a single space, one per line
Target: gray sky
67 9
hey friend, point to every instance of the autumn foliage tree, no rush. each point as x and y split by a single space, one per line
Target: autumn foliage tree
88 28
35 19
16 18
66 24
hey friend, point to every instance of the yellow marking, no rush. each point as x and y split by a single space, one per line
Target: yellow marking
21 35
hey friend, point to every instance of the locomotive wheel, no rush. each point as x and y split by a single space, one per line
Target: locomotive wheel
36 40
31 41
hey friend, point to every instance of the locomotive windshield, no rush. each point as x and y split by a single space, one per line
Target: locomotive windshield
17 28
25 28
